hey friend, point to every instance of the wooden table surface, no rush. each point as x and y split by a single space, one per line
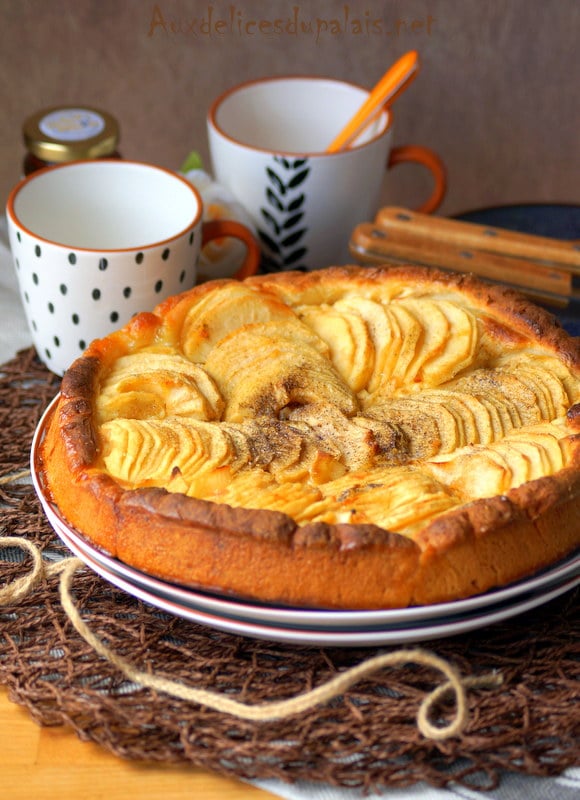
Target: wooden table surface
45 763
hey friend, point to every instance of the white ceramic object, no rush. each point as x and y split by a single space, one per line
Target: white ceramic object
267 141
96 242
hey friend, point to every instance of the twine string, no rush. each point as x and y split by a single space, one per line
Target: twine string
14 477
21 587
454 684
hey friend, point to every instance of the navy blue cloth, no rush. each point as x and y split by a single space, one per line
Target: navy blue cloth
539 219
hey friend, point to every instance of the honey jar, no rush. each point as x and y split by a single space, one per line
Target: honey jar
68 133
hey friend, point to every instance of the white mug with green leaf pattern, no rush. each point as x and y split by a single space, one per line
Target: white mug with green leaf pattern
267 141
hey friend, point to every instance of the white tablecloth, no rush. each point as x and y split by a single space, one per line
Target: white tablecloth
14 335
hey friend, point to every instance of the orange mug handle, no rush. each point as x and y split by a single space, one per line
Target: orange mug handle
217 228
429 159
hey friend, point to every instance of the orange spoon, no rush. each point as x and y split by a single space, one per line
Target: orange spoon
395 80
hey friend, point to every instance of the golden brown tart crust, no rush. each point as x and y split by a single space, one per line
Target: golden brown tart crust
264 439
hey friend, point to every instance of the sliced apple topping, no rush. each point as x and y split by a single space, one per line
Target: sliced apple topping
411 333
521 456
424 342
435 335
386 335
228 308
401 498
461 347
156 384
267 368
441 420
148 452
429 428
548 379
255 489
355 441
379 327
514 401
350 345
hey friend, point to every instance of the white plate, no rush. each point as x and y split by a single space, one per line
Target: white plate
397 621
325 637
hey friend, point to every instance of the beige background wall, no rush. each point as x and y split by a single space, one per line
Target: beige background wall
497 97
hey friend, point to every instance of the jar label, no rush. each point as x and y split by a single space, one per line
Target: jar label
72 124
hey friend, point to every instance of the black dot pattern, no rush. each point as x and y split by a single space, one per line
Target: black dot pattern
72 297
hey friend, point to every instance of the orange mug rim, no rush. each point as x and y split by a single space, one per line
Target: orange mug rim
15 191
221 98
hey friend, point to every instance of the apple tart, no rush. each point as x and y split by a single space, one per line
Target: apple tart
347 438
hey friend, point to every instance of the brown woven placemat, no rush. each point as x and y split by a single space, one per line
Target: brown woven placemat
367 737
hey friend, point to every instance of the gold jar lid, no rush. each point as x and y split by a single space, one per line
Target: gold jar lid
70 133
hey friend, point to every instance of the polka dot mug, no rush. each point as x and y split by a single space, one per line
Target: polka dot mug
95 242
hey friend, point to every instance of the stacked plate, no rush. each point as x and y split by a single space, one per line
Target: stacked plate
318 627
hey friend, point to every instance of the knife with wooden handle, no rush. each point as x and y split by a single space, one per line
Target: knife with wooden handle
547 269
